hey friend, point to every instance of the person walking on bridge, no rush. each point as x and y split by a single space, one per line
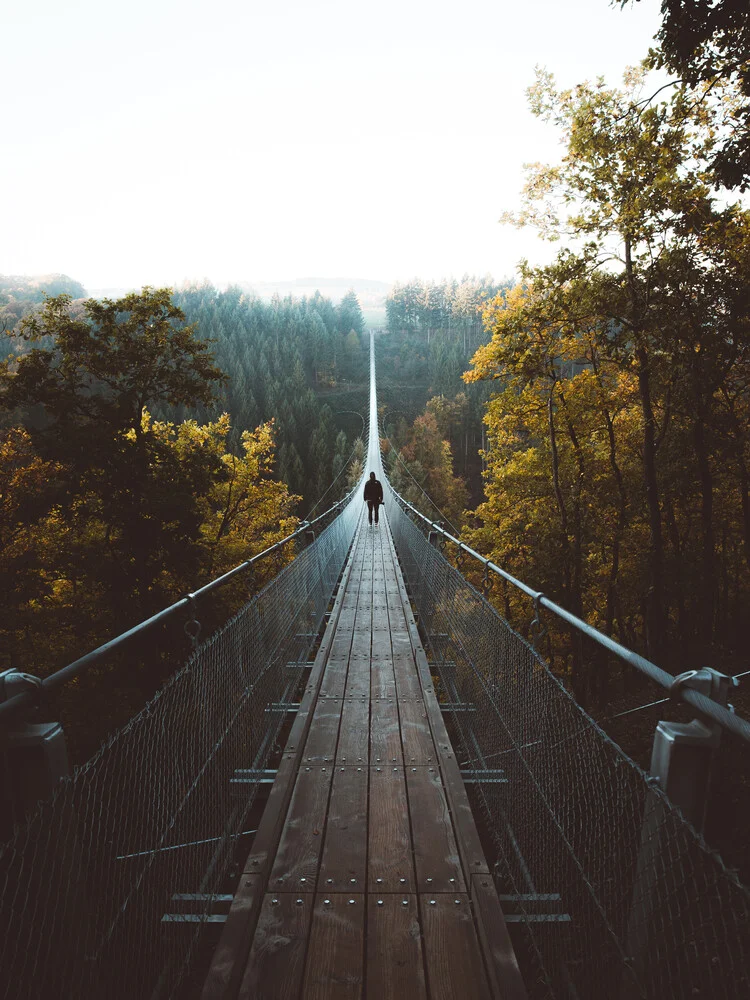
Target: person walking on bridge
373 496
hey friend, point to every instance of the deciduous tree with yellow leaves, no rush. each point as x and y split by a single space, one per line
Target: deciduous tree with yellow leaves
617 472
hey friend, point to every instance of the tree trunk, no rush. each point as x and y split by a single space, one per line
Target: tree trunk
582 682
655 619
622 519
674 537
564 536
622 513
738 449
706 589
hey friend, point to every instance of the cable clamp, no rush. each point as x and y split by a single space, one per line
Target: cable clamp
441 536
538 629
13 682
682 681
192 627
706 681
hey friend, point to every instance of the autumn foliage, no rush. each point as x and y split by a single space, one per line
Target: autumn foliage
617 466
107 514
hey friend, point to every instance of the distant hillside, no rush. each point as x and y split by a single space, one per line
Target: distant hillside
333 287
31 288
21 294
371 294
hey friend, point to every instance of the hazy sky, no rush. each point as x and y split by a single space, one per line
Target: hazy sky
156 140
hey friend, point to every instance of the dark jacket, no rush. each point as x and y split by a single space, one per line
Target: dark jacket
374 490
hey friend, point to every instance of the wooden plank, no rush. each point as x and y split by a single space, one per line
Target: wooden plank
320 746
397 619
452 956
343 866
354 737
390 862
385 737
296 864
381 645
335 954
358 679
407 681
260 858
416 737
347 616
361 645
467 836
502 966
400 644
277 958
227 965
505 980
380 627
395 968
333 684
341 645
228 959
382 680
435 852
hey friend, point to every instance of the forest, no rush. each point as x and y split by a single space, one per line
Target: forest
122 488
433 330
297 361
616 400
133 468
618 460
586 424
616 408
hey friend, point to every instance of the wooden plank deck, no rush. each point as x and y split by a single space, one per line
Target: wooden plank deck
366 876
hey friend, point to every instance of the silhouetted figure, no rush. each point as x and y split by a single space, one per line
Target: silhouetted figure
373 496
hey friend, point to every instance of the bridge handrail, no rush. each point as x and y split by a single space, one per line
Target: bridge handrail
26 699
706 706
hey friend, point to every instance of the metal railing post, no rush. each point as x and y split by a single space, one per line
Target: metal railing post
33 756
683 752
681 760
435 535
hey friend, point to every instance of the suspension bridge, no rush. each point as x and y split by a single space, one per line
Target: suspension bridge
366 784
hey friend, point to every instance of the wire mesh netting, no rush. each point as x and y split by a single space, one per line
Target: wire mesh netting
153 819
608 891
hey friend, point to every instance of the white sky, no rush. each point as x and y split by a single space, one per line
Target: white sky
149 141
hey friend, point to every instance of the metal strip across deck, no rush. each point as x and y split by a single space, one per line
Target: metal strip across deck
367 870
